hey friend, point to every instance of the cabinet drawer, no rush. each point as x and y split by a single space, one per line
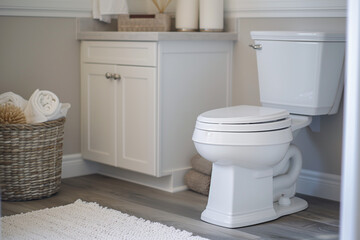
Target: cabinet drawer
125 53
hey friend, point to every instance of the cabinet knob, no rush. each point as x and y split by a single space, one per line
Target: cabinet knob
108 75
117 76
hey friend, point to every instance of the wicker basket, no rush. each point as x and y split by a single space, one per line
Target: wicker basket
30 159
144 23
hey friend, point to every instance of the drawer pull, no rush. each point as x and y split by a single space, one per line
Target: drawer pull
109 75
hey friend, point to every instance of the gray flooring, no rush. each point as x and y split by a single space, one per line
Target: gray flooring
183 209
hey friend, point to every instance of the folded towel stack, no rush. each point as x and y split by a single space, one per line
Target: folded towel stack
105 9
199 177
42 106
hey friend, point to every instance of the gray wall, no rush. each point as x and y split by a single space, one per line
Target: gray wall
43 53
321 150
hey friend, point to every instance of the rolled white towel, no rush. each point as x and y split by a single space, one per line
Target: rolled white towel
64 107
13 98
42 106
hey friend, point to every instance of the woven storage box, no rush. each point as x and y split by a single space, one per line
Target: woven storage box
30 159
144 23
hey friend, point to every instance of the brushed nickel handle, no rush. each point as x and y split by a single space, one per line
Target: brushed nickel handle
109 75
117 76
256 46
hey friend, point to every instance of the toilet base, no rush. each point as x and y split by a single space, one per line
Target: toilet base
241 220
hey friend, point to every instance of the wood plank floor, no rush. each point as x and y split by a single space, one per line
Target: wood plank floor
182 210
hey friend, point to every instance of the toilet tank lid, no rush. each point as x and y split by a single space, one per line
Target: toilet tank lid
298 36
243 114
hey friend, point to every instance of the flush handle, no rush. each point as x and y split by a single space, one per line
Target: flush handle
256 46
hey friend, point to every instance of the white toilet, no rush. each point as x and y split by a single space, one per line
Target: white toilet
255 166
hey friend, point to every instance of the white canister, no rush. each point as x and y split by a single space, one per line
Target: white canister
211 15
187 15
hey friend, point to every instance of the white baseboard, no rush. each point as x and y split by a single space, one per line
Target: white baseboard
319 184
310 182
74 165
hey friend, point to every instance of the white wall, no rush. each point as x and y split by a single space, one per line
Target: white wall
350 194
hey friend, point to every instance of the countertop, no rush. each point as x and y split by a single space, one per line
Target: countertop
92 30
156 36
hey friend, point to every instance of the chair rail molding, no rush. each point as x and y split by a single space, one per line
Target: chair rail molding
285 8
233 8
46 8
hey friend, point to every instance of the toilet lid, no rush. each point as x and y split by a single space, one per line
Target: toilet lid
243 114
244 118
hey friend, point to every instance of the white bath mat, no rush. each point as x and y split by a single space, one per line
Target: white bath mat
83 220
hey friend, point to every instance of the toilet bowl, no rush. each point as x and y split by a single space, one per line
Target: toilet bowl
255 166
253 163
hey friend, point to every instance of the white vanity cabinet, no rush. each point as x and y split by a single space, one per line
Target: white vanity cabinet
140 100
118 82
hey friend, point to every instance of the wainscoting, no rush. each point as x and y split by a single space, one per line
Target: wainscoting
233 8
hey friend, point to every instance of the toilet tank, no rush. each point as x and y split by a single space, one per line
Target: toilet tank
301 72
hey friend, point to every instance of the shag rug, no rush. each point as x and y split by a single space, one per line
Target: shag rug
86 220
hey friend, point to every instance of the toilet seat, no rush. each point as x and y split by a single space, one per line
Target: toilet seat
244 118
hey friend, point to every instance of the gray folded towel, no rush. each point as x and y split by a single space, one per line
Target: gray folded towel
201 165
198 182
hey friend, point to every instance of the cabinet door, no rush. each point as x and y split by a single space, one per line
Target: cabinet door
98 113
137 119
